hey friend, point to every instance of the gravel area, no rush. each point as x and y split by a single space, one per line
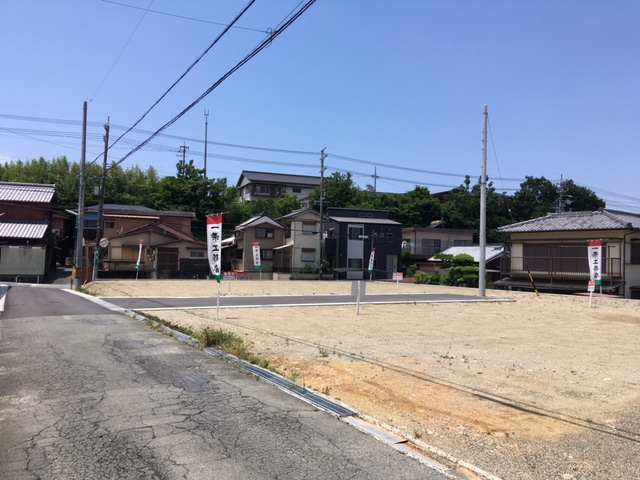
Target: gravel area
537 388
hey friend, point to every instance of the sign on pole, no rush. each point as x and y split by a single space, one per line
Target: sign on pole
371 260
256 256
214 244
595 257
139 256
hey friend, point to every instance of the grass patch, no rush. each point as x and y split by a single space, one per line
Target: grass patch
220 339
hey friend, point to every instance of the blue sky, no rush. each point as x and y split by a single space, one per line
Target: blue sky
399 83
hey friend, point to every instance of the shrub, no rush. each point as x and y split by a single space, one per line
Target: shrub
426 279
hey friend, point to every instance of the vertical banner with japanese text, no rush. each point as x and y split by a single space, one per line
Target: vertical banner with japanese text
214 244
139 254
256 256
595 258
371 260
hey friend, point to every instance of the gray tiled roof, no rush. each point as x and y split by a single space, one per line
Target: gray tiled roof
492 251
24 230
367 220
138 210
26 192
576 221
261 219
280 178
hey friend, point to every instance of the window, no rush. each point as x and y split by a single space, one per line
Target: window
109 224
262 189
566 258
356 232
90 223
197 254
431 246
308 255
460 243
264 232
635 252
266 254
309 228
390 237
354 263
296 190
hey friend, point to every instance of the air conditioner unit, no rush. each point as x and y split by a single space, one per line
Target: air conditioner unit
56 231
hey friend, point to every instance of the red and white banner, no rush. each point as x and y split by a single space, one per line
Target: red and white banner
256 256
595 259
214 244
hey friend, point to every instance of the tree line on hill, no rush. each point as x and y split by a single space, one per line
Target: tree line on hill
188 190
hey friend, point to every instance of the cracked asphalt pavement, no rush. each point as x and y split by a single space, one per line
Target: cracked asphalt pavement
89 394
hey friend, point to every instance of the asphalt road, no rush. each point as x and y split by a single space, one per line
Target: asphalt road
141 303
87 393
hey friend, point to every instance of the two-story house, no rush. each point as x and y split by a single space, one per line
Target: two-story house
302 247
554 250
261 230
28 243
352 234
254 186
162 240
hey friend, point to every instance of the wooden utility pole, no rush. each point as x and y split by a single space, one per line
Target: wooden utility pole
99 226
482 274
79 250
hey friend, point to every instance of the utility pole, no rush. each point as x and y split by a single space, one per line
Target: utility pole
206 127
322 169
183 154
99 226
483 210
78 261
375 179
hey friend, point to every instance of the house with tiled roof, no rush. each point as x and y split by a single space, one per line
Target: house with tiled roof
164 251
169 250
552 250
29 239
301 250
238 254
254 186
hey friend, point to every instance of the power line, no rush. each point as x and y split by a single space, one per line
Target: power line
222 34
185 17
122 51
240 64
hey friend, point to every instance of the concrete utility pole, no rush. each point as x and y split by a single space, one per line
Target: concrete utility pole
206 127
77 271
483 210
99 226
183 154
322 169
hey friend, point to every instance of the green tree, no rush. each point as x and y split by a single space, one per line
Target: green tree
340 192
189 191
462 273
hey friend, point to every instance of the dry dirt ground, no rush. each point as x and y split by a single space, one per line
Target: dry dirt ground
540 387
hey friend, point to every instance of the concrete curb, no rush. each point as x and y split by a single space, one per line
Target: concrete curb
3 296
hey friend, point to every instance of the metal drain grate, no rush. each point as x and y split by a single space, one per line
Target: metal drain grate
295 389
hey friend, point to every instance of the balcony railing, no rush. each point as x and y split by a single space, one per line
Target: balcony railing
559 268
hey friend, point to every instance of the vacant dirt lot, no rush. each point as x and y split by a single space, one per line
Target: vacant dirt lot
536 388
